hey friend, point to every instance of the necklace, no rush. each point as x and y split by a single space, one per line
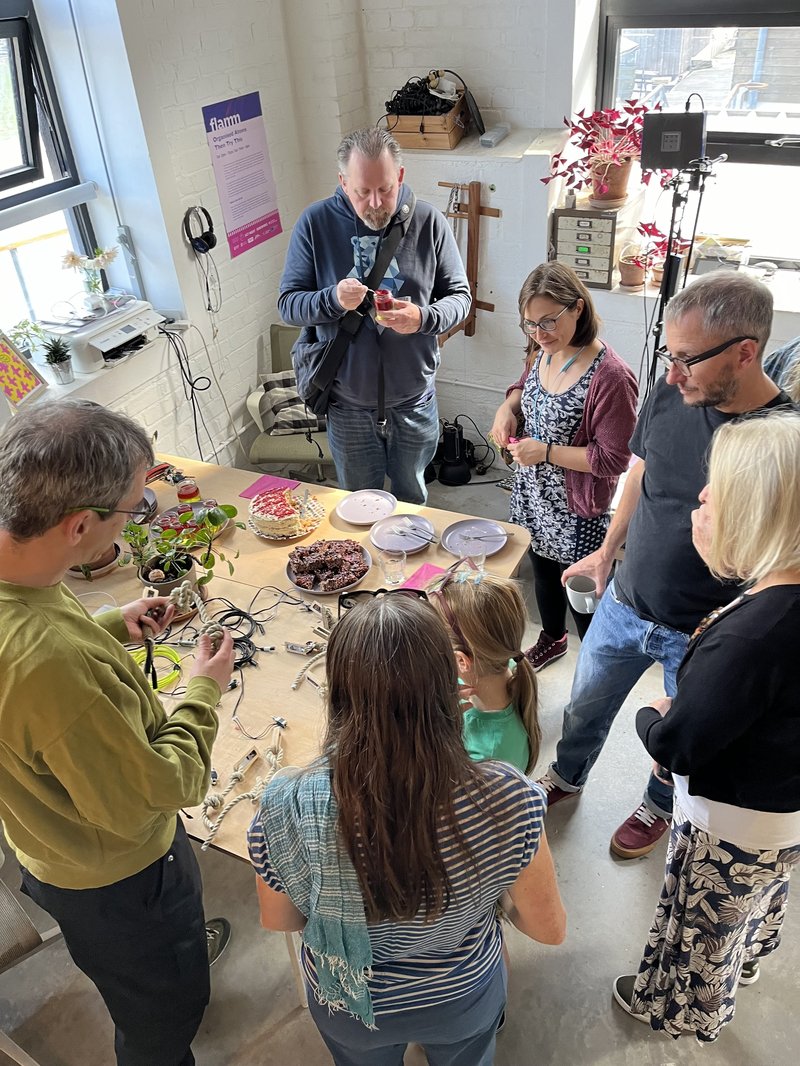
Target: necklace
568 363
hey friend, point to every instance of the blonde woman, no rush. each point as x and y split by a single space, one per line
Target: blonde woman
730 737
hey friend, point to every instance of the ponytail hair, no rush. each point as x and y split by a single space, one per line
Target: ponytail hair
525 697
486 618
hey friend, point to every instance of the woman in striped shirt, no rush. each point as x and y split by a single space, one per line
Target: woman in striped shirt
392 851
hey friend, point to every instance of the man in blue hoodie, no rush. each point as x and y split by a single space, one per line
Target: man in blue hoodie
331 252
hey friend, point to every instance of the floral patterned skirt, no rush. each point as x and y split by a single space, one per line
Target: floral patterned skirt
720 907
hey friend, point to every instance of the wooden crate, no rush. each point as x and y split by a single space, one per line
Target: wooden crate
438 131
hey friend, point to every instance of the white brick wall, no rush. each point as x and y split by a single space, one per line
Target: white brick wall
322 69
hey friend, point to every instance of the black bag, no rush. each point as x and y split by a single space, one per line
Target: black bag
315 365
317 362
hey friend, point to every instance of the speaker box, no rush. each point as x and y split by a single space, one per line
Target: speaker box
673 140
454 468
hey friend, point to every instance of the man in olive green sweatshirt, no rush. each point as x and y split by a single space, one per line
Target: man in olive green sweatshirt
92 771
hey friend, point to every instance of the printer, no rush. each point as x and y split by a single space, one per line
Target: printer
109 337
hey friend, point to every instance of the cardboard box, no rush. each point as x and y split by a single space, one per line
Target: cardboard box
430 131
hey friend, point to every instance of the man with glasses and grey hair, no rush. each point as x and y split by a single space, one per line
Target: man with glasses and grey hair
716 330
382 419
92 771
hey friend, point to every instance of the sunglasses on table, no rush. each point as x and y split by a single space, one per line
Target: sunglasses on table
348 600
684 366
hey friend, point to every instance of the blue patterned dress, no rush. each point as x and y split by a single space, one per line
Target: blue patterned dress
539 496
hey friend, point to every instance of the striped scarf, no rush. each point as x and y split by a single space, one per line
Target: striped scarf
299 816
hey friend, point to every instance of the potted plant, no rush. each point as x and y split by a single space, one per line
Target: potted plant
600 151
91 268
633 265
27 336
658 248
59 357
100 567
163 554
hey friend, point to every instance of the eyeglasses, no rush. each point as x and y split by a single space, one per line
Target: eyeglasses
546 324
139 515
684 366
348 600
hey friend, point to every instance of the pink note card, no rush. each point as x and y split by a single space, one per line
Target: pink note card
422 575
267 482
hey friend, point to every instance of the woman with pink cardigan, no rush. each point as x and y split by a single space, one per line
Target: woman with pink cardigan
578 401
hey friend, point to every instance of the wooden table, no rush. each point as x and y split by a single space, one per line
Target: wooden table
267 686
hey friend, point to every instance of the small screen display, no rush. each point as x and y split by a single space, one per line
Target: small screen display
127 329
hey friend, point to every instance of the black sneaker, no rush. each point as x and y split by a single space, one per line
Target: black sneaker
750 973
623 994
218 935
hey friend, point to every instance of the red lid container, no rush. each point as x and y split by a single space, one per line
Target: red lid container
188 492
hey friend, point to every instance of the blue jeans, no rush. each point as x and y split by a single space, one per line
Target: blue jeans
617 649
365 453
461 1032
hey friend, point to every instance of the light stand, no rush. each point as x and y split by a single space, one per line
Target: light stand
692 179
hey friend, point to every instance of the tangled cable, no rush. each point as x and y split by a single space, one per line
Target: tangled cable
415 98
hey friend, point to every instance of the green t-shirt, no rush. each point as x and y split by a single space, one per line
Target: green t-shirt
497 735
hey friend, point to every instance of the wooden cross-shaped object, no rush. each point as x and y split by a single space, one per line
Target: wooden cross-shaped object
471 211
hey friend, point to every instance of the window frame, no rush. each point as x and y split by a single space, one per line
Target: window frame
30 169
618 15
54 133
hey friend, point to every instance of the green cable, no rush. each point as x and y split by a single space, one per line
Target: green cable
161 652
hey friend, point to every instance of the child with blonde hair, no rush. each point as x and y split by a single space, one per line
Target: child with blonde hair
485 616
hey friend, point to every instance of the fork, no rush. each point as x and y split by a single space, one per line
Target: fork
414 531
491 536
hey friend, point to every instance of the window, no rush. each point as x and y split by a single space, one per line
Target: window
20 151
42 212
741 59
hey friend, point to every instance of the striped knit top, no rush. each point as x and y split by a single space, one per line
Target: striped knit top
418 964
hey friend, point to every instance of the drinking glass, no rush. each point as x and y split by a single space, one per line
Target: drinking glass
393 566
475 550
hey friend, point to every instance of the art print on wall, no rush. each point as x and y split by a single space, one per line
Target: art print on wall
19 380
248 197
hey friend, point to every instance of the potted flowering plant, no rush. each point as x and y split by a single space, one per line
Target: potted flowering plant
657 247
600 150
90 267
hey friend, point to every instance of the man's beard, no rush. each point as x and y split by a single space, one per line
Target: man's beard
720 393
376 218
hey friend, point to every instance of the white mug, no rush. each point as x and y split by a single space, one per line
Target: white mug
582 594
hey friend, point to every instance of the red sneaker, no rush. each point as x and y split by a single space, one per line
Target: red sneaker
553 792
639 834
546 651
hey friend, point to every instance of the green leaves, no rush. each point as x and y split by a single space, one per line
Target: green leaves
171 545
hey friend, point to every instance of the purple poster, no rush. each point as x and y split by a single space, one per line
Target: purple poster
243 172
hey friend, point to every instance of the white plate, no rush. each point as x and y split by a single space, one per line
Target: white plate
382 537
315 512
333 592
456 536
366 506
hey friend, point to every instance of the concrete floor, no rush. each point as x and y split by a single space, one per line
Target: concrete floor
560 1007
